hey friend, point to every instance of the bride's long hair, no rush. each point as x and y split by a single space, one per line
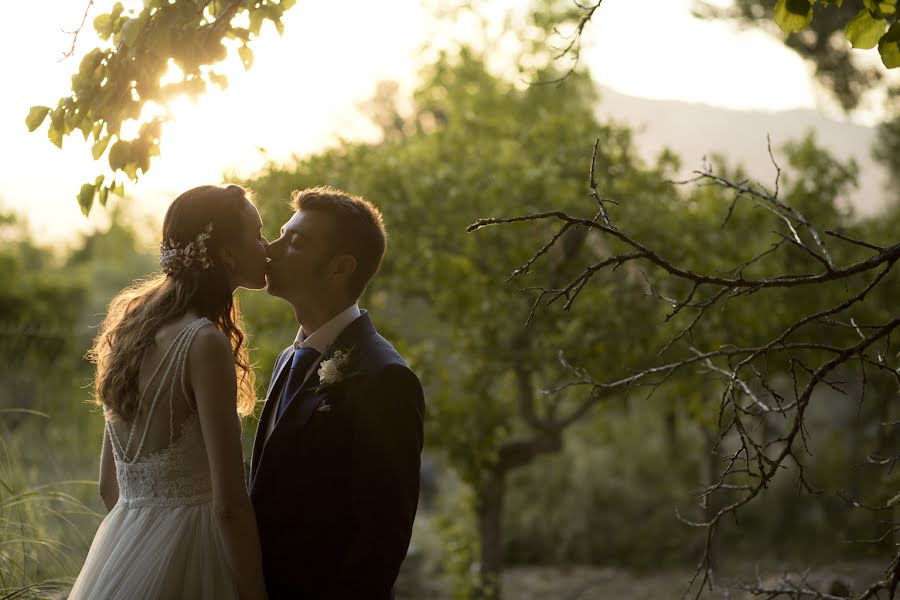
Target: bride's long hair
135 314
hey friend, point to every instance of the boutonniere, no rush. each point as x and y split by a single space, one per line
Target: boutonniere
334 369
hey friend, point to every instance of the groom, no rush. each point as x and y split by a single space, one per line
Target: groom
334 476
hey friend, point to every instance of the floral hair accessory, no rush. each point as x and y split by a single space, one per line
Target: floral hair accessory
175 258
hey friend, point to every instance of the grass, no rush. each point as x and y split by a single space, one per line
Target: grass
44 527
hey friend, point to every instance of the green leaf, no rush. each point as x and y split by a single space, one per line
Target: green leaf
99 181
864 30
103 26
246 55
130 31
240 33
99 147
288 4
889 47
56 136
219 80
130 169
881 8
103 195
887 7
256 21
36 116
86 197
118 155
118 188
793 15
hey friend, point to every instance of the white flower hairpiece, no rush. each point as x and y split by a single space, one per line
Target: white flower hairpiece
174 258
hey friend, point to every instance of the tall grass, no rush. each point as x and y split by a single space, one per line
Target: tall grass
45 528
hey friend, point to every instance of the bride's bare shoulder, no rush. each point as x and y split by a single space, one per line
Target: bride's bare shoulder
210 349
168 331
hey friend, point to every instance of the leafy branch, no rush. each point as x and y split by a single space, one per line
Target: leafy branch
119 87
875 24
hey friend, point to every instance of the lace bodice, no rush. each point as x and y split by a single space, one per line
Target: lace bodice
177 475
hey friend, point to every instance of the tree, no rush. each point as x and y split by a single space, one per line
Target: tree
475 142
122 81
37 310
828 316
788 339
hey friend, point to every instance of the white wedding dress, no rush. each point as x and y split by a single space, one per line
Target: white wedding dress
160 541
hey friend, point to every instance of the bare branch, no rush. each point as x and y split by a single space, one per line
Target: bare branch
749 463
75 33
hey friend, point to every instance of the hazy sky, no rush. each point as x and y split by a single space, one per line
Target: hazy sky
304 88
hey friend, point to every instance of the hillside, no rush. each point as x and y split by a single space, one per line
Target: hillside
695 130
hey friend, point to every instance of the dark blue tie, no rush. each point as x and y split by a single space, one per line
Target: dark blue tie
302 361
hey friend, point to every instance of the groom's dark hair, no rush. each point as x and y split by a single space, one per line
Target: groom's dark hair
361 231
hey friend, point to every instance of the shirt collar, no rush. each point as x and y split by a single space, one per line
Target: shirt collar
325 335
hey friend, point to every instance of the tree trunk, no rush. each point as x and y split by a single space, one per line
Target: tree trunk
489 507
710 475
671 424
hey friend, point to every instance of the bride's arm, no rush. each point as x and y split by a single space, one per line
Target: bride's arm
212 377
109 485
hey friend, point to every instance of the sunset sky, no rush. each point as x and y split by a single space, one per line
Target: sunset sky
304 89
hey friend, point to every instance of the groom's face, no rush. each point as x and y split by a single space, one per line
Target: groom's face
299 259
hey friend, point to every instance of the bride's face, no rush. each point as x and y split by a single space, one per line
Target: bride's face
247 251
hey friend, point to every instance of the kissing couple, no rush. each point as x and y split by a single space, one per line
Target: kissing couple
333 486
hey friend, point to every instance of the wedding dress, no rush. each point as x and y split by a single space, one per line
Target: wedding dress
160 540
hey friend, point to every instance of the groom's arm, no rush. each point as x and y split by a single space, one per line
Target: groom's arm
385 455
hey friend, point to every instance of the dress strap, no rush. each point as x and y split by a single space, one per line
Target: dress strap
174 354
180 360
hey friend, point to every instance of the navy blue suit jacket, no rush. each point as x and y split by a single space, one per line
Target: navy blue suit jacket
336 485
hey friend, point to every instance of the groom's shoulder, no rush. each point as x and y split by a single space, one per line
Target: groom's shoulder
383 368
380 353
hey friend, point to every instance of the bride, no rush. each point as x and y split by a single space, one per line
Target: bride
172 377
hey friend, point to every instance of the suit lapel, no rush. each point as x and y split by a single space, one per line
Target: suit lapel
306 399
259 441
283 361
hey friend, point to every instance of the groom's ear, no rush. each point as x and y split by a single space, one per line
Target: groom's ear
343 266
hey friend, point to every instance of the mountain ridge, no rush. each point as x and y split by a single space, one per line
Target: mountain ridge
695 130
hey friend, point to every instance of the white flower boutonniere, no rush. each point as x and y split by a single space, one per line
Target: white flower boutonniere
332 370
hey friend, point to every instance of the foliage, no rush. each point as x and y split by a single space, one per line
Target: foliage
825 31
823 43
645 466
120 85
455 522
38 310
886 148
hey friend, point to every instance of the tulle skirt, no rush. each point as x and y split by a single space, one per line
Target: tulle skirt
156 552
